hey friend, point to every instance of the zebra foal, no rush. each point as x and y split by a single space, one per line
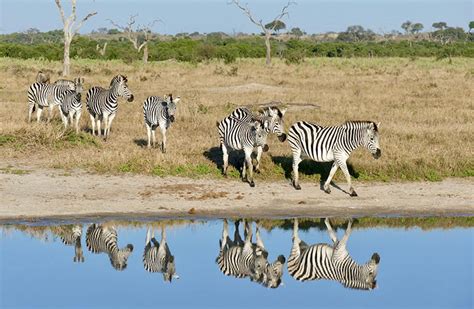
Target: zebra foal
331 262
240 135
102 103
159 112
325 144
71 105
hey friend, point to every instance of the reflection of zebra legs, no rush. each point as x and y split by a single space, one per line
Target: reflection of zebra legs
157 256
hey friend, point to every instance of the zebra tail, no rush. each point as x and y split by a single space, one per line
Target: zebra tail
217 123
34 107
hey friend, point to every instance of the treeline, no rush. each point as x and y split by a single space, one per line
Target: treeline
185 48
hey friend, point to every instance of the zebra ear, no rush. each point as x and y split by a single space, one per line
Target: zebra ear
378 125
266 124
177 99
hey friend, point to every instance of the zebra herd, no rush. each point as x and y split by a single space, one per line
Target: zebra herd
237 258
240 130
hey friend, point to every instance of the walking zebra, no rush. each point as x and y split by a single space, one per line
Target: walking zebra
70 235
243 259
157 256
325 144
42 95
103 239
71 105
102 103
323 261
276 124
241 135
159 112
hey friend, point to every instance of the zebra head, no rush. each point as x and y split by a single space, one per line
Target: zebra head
42 77
118 258
119 83
276 125
170 272
269 275
371 139
260 128
78 84
171 105
372 267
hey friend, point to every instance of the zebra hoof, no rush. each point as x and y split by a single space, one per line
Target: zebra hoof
327 190
252 184
353 193
296 186
257 170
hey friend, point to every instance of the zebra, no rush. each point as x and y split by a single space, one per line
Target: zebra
102 103
276 123
45 95
157 256
71 105
42 77
103 239
70 235
325 144
241 135
243 259
331 262
159 112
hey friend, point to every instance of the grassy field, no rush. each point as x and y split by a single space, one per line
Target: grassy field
425 107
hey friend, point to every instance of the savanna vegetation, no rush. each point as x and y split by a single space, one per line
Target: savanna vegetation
424 105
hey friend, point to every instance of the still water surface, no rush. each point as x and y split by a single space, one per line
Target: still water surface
78 265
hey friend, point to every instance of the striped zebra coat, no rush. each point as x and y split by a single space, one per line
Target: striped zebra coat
102 103
41 95
331 262
241 135
158 258
276 124
159 112
244 259
71 105
103 239
70 235
325 144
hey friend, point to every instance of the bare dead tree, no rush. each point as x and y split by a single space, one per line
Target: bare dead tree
267 31
138 33
70 29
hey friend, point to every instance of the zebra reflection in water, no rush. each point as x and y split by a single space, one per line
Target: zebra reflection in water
157 257
70 235
243 259
331 262
103 239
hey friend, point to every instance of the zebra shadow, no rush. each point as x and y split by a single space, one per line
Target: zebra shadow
310 167
236 158
140 142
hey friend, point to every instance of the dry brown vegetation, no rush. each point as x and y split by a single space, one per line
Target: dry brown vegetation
425 107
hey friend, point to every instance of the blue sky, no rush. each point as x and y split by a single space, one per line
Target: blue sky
313 16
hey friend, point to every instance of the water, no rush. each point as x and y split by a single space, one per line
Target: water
418 268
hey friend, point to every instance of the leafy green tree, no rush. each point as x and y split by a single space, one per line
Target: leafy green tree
416 28
471 25
407 26
440 25
297 32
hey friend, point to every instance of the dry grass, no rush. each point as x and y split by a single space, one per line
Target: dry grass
425 107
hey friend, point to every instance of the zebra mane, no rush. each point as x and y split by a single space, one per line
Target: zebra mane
361 122
274 108
357 285
117 79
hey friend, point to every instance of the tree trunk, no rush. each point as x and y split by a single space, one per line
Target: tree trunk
145 54
268 60
66 60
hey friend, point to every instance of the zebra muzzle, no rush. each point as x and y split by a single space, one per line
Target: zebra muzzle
130 99
377 154
282 137
265 148
171 118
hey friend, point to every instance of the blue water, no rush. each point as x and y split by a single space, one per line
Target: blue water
417 269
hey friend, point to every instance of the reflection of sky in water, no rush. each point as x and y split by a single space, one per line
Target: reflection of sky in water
417 269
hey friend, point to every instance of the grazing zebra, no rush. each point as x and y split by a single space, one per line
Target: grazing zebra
241 135
45 95
102 103
243 259
157 256
276 124
71 236
325 144
159 112
71 106
323 261
103 239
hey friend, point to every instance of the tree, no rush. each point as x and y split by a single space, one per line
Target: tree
70 29
407 26
471 26
138 35
297 32
266 31
440 25
356 33
276 25
416 28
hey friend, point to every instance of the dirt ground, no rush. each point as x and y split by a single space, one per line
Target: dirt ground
43 194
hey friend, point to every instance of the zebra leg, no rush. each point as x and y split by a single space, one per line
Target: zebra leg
163 142
30 110
331 175
296 162
93 124
348 232
225 159
249 166
65 119
109 124
258 238
106 125
259 156
38 113
50 113
148 236
237 239
153 134
331 232
99 133
225 234
78 117
344 169
148 134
